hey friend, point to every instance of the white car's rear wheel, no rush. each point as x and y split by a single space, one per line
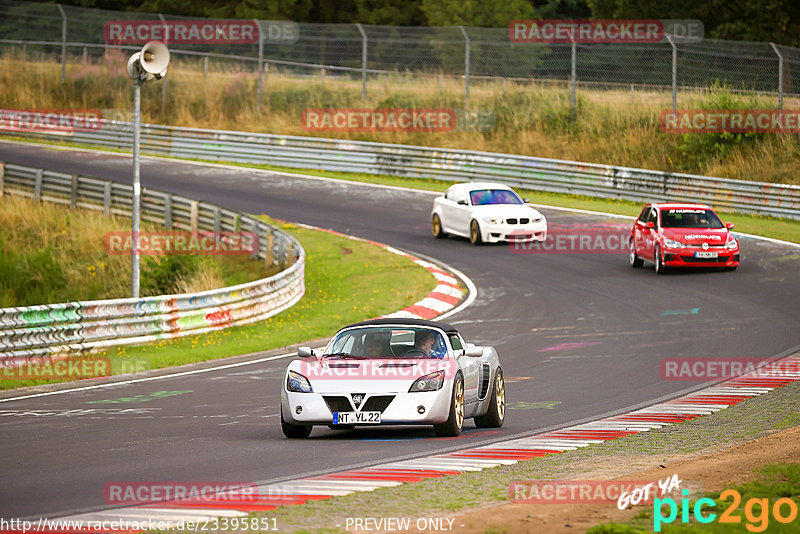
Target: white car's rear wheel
455 422
436 227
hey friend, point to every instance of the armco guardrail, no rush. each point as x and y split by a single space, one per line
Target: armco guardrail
37 332
534 173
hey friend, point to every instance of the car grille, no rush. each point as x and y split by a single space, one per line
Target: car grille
518 221
377 403
485 374
692 259
337 404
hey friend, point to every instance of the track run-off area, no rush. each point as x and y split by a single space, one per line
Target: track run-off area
580 337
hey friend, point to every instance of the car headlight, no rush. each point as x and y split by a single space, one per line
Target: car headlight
297 383
669 243
731 242
493 220
430 382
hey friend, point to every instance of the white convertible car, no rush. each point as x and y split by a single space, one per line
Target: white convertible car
393 372
486 213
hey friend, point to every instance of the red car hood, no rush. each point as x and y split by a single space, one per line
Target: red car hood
697 236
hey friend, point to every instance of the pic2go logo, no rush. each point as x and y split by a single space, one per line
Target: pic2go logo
756 511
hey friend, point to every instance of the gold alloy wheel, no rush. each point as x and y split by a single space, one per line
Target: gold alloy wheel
459 400
437 226
474 232
500 396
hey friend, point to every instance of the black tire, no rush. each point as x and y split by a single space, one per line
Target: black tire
634 260
294 431
660 269
475 233
455 422
436 227
496 413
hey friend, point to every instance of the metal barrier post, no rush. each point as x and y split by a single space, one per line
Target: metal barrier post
674 73
164 79
574 75
137 189
780 76
63 43
260 63
363 62
466 67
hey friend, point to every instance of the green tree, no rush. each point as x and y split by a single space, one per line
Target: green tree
752 20
476 12
390 12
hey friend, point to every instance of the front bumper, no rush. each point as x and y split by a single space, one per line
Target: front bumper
403 409
685 257
522 233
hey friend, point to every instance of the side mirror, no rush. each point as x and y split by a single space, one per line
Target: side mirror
526 200
729 226
306 352
462 202
649 224
474 352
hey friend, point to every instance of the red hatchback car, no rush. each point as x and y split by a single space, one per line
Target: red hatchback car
682 235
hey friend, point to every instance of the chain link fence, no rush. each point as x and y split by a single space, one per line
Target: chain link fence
366 52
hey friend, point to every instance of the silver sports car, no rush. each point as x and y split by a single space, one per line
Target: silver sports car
393 372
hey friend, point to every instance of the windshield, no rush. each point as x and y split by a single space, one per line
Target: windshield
689 218
482 197
387 342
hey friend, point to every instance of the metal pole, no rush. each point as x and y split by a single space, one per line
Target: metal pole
674 73
466 67
137 190
260 63
780 76
205 67
164 79
574 76
63 43
363 62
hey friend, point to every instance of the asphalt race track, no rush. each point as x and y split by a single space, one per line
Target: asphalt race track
579 336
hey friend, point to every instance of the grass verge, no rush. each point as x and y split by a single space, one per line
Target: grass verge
346 281
448 495
49 253
616 126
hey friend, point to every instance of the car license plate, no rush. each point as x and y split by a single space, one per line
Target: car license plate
706 254
352 418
